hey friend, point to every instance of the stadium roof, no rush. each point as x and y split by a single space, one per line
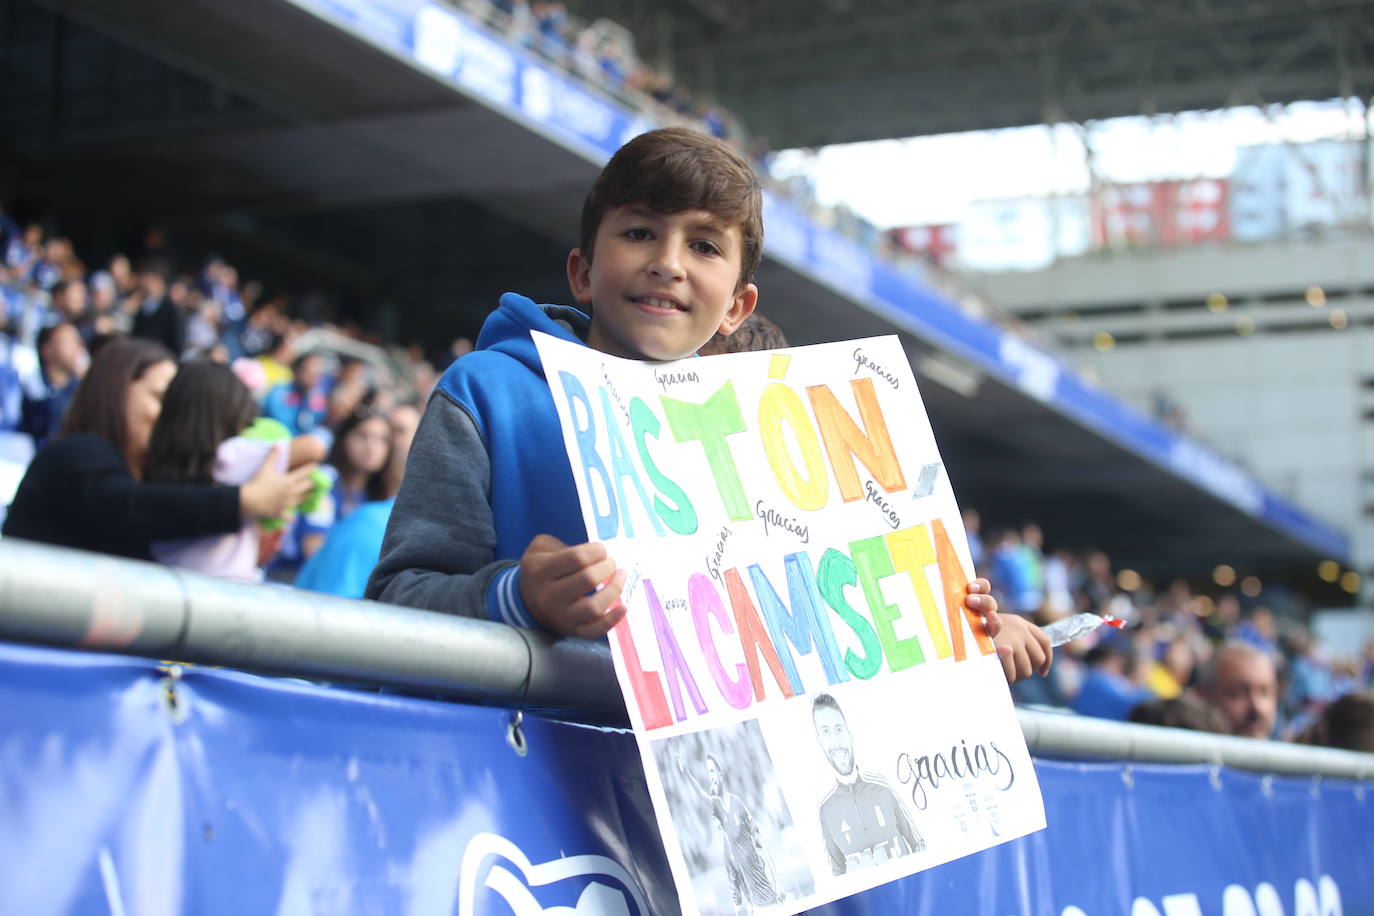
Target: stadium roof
814 72
263 131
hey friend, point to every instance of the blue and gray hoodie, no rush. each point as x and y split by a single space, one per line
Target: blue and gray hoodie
486 473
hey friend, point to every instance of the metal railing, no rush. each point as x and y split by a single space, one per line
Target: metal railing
67 598
80 600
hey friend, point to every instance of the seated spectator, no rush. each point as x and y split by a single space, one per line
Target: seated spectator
301 405
62 362
84 489
1310 682
121 271
345 559
1258 629
352 547
70 302
1174 668
1240 681
22 251
156 315
1114 684
357 463
404 420
1187 710
973 525
1346 723
47 271
15 365
202 327
277 357
1016 579
104 318
198 439
756 333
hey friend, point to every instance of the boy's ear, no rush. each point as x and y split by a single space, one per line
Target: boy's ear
580 277
741 307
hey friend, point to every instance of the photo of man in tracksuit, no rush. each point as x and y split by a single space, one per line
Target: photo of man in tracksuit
863 821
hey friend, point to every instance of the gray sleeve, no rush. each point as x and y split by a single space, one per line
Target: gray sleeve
437 553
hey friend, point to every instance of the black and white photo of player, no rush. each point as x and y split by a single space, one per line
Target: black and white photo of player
863 821
747 863
731 820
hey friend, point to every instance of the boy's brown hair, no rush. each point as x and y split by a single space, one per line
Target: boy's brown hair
675 169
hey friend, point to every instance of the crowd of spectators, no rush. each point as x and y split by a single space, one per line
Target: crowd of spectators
324 393
1226 663
1222 662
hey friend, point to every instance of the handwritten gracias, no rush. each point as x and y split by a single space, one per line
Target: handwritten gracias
761 632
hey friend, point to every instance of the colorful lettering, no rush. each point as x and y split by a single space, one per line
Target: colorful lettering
622 468
873 564
585 434
705 603
844 440
645 685
912 552
710 424
675 668
680 516
804 625
780 405
753 638
834 573
956 587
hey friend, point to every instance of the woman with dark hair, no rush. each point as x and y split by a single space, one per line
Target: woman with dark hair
357 462
345 560
84 489
205 405
198 439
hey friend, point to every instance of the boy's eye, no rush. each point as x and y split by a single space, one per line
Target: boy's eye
704 247
638 234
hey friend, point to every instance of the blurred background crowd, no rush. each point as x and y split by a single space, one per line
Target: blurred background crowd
346 399
1230 660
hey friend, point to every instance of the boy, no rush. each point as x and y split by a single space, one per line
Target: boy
487 521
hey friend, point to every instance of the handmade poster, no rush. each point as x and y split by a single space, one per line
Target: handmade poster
817 712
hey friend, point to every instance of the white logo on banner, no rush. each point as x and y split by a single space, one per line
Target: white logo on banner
438 38
1036 372
536 93
514 886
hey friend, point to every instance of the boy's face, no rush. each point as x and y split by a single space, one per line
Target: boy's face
661 284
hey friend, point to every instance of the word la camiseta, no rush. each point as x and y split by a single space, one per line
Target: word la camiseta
723 628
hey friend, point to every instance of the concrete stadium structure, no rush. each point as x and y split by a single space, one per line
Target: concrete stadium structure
1278 372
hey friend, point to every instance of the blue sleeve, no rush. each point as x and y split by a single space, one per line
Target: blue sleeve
504 602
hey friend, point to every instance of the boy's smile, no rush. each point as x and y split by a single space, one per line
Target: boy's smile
660 284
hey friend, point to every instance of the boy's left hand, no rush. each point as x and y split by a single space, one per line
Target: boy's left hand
978 599
1024 649
1022 646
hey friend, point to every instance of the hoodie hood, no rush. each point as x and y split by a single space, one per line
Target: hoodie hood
507 330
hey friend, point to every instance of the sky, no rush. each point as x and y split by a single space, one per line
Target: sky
928 180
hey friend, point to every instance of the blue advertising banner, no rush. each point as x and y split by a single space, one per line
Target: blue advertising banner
123 791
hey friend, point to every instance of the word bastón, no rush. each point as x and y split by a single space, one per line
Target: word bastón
616 474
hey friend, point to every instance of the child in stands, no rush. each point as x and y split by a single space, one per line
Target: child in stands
197 439
487 521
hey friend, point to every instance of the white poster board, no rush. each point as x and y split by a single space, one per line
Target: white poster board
816 712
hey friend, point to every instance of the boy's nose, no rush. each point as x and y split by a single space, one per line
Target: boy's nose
666 262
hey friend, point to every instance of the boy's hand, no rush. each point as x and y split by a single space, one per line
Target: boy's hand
1023 647
978 599
560 587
